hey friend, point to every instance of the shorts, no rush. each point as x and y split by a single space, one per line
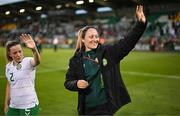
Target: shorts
23 112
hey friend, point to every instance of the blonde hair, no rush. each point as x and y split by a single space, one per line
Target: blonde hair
81 35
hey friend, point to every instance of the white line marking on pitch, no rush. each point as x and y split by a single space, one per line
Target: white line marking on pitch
151 74
125 72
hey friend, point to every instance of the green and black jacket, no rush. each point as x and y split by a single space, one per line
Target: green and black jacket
109 57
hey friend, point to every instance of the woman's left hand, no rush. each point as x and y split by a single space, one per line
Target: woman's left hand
29 42
140 14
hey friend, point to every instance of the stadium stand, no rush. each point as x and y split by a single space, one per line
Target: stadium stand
60 20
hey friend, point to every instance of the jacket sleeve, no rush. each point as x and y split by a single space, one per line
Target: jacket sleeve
120 49
71 80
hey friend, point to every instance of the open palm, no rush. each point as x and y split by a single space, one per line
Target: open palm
27 39
140 14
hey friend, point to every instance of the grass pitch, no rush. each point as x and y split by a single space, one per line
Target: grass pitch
152 79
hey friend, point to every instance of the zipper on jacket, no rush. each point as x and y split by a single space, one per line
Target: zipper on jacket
102 82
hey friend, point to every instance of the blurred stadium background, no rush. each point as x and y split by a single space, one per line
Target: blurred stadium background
151 72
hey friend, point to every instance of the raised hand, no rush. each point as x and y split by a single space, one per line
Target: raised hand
140 14
29 42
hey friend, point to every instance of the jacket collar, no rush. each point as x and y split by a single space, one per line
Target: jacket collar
80 52
99 52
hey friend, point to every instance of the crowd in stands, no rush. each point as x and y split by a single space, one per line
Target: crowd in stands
163 33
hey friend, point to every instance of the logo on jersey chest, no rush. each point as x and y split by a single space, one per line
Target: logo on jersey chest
18 66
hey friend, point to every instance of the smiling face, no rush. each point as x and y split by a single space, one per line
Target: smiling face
91 39
16 53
